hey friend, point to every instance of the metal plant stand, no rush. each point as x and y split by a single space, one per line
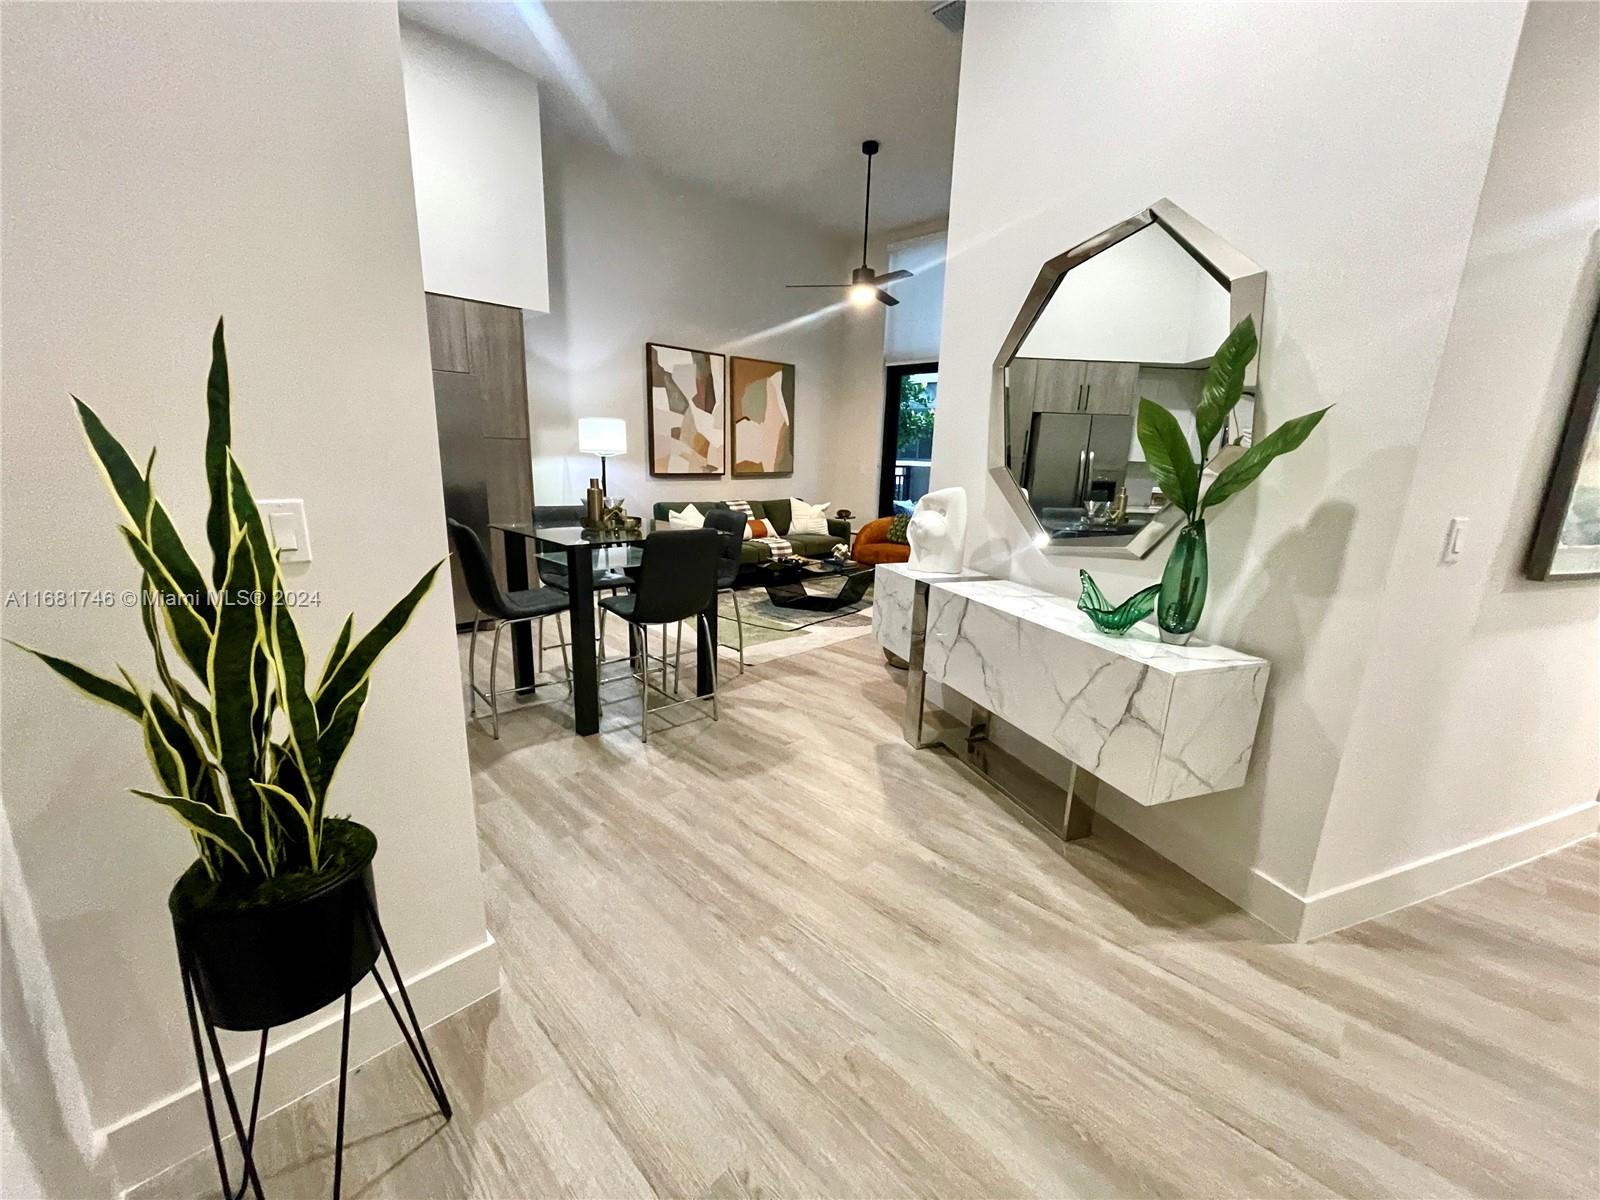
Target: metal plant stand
200 1018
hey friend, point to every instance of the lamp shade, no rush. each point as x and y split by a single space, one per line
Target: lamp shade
604 436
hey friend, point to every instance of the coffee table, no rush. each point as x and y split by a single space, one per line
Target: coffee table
786 583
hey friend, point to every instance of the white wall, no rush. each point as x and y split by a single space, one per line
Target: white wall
1343 147
1146 299
476 160
1498 676
638 258
164 164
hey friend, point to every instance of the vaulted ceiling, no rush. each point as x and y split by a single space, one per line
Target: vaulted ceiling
764 101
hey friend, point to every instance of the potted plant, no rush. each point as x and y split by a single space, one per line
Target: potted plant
1183 583
276 916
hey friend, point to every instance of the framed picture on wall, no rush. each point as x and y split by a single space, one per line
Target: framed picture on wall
761 401
685 409
1566 541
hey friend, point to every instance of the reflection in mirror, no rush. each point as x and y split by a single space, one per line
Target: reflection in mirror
1140 318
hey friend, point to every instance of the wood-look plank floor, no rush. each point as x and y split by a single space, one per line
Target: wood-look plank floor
783 954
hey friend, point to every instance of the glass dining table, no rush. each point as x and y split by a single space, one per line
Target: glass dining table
570 551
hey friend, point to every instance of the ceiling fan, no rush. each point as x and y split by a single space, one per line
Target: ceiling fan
865 286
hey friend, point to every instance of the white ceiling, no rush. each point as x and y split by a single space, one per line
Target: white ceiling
765 101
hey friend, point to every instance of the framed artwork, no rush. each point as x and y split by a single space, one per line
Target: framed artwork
1566 540
761 398
685 410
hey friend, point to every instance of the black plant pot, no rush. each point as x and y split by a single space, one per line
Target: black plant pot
286 948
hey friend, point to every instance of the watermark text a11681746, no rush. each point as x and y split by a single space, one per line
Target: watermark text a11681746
133 597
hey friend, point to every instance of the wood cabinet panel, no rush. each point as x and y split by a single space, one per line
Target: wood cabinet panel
494 342
1110 387
1058 386
447 333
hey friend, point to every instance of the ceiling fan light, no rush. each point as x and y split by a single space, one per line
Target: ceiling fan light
863 294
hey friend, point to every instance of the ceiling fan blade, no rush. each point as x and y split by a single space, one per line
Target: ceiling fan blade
880 280
885 298
816 285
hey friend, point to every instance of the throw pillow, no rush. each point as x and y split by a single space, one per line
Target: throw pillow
756 527
808 518
897 531
688 517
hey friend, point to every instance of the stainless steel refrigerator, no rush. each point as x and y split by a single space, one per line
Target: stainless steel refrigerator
1075 457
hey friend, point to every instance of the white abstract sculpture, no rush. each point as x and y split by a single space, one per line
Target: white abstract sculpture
938 531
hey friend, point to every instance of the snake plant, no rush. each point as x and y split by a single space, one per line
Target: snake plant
244 743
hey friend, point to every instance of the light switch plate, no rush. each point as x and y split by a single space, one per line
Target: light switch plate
286 524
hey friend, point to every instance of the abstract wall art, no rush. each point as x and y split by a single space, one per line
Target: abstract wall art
686 410
762 400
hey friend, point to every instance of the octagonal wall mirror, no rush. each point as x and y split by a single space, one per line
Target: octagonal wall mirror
1135 311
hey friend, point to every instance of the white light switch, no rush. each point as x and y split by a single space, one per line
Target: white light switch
1455 540
286 523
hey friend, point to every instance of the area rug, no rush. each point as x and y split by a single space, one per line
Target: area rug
773 631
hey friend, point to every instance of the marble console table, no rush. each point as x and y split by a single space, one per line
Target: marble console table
1156 722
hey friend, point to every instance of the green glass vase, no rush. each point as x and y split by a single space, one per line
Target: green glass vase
1183 586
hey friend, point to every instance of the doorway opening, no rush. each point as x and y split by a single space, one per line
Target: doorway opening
910 397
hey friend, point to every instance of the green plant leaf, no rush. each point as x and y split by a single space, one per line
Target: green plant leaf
143 512
231 678
357 665
163 758
181 738
1242 472
190 632
107 691
275 798
217 827
1224 383
336 735
246 516
219 433
1166 453
289 662
341 646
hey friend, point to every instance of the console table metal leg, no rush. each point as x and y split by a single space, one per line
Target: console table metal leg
911 720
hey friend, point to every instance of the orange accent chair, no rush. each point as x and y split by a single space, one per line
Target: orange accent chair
872 544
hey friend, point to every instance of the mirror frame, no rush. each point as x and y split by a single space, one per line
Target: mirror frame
1246 283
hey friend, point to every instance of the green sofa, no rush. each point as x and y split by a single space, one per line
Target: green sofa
811 545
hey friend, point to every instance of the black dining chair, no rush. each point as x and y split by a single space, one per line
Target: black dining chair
730 523
677 582
493 603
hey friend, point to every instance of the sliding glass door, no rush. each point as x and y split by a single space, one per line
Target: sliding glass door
910 399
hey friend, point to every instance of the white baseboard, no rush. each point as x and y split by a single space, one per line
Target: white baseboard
1282 909
1263 897
1351 903
1303 917
174 1127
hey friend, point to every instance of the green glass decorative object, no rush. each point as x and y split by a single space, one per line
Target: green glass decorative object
1118 620
1183 586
